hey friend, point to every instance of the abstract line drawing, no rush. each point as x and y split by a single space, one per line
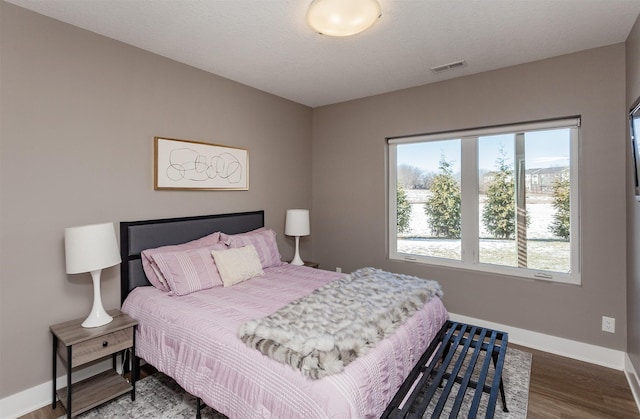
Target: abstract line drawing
184 164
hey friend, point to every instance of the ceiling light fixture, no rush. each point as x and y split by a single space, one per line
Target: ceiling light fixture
342 17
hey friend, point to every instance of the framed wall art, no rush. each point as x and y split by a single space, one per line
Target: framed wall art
193 165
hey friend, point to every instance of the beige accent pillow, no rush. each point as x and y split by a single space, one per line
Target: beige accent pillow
237 265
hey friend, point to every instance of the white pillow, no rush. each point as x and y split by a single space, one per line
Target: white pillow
237 265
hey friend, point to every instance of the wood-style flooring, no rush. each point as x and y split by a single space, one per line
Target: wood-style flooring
560 388
565 388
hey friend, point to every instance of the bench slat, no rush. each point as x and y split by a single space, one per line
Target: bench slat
454 373
467 377
473 411
440 372
497 385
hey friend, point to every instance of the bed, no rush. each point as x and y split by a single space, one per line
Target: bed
194 337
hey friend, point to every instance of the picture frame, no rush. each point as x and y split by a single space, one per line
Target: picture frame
194 165
634 134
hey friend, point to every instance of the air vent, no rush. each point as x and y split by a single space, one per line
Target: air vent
447 67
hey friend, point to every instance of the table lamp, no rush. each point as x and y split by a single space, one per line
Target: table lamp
91 248
297 224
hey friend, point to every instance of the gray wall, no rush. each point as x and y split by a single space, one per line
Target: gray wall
633 213
349 198
78 116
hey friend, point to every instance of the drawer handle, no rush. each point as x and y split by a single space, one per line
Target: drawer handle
105 344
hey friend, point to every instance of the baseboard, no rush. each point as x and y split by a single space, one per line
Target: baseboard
632 378
36 397
39 396
581 351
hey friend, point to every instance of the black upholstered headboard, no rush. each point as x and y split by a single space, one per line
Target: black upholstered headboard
136 236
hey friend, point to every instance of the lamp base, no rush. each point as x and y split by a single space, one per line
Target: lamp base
97 320
296 259
98 316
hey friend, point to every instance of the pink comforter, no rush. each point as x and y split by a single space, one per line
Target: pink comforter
194 339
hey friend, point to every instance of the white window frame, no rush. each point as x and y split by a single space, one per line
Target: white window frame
470 201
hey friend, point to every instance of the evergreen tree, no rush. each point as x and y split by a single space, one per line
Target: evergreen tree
443 207
499 212
403 209
561 225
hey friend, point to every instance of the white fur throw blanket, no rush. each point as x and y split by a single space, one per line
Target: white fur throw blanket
321 333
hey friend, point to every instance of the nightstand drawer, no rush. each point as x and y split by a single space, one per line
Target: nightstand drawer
101 346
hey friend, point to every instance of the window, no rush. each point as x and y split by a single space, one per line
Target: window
497 199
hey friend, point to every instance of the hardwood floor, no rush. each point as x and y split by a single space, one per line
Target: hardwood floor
560 388
565 388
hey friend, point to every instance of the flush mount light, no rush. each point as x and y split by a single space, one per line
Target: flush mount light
342 17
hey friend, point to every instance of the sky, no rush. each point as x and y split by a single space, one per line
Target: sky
550 148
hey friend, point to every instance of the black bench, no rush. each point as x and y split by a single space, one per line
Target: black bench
448 360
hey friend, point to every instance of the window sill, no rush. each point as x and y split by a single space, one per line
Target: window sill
516 273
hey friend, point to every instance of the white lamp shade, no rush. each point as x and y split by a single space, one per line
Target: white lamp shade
90 248
342 17
297 223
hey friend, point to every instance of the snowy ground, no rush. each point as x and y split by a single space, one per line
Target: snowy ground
544 250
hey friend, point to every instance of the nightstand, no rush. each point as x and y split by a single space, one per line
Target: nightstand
312 264
78 346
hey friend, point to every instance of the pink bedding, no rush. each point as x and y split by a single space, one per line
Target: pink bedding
194 339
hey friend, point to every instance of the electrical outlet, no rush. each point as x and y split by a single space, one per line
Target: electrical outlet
608 324
338 269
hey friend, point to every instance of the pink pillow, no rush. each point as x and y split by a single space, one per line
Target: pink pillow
189 271
224 237
263 240
154 275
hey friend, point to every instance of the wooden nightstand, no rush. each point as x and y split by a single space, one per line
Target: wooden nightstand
78 346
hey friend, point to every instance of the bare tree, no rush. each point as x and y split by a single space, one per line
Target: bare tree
410 177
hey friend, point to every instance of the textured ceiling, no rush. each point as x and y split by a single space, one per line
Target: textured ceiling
266 44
